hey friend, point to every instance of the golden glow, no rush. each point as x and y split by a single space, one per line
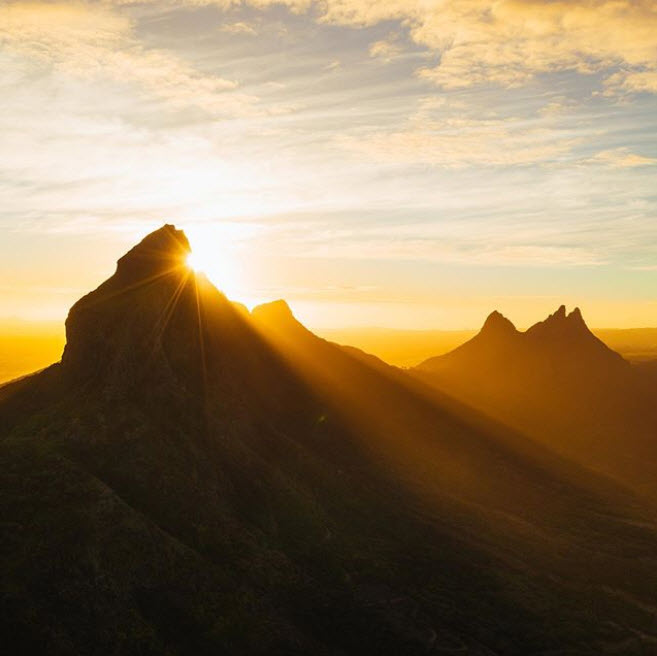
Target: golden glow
369 198
194 262
213 254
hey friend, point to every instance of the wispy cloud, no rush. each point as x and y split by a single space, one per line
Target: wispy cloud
91 41
504 42
388 48
622 158
511 41
240 27
516 134
448 136
632 81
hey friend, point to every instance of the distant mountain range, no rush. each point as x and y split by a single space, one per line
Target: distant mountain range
560 384
408 348
195 479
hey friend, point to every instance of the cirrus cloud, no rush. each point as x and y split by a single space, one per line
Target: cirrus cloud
621 157
456 142
510 41
91 41
505 42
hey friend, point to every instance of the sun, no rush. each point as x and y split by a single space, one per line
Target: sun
195 262
213 254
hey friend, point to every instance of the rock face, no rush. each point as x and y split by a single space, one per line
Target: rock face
156 325
193 480
117 329
158 253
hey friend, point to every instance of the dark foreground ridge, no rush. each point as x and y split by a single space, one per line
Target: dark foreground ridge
194 479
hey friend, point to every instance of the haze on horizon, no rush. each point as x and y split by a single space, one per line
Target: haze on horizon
401 164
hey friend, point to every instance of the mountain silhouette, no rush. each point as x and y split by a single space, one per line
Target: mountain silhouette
560 384
567 335
497 325
195 479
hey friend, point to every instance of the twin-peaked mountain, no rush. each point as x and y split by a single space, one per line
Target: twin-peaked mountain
561 385
196 479
560 347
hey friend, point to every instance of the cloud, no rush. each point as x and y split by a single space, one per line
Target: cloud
509 41
239 28
476 242
94 42
296 6
477 42
632 82
557 106
457 142
386 49
506 42
621 158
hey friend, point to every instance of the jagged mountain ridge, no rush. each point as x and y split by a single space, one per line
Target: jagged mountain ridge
560 384
194 480
553 342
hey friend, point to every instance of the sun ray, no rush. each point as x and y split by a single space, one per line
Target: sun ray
201 339
169 309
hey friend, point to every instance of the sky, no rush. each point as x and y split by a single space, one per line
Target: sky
403 163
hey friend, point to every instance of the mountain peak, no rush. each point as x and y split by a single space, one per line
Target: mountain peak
498 335
576 317
274 312
562 325
559 315
497 323
163 250
118 324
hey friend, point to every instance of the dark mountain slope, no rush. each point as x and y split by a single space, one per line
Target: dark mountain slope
508 490
188 480
560 384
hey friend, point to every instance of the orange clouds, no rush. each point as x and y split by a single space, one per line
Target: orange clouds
505 42
509 41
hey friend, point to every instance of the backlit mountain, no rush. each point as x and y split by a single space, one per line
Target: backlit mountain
194 479
558 383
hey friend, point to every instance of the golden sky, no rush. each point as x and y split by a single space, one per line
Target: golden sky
407 163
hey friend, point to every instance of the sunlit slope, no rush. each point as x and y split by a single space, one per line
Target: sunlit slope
560 384
190 480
